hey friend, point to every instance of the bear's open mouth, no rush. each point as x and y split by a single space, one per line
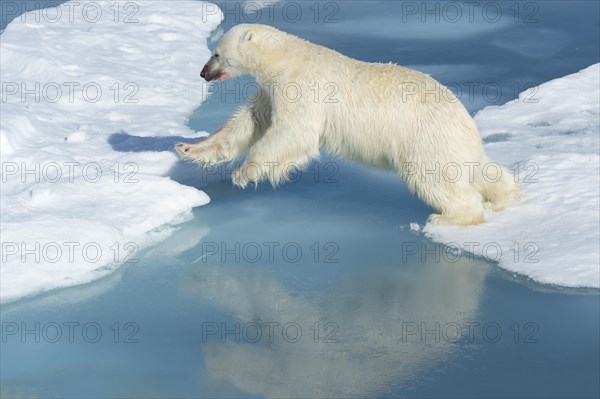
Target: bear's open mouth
223 76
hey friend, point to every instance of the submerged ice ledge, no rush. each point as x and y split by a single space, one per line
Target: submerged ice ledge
77 202
550 135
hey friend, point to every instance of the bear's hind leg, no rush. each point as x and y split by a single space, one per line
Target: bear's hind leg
501 193
463 207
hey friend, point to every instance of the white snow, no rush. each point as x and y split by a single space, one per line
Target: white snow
553 132
86 93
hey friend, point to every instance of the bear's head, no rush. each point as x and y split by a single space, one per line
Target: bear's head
243 50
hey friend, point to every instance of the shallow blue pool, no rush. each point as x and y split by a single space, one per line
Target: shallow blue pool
321 288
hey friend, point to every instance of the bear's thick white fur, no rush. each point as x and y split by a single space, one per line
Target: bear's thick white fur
381 115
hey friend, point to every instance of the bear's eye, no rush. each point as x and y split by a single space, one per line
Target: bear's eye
216 55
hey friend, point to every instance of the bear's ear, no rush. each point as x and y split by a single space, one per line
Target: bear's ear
247 36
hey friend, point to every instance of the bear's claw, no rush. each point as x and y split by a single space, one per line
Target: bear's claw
185 151
182 147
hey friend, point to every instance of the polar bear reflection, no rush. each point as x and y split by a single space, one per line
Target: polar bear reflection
371 311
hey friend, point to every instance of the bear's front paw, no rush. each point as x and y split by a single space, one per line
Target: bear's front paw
185 150
203 153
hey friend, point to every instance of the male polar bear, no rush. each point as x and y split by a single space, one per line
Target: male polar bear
381 115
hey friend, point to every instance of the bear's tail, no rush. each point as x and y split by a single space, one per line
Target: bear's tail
498 186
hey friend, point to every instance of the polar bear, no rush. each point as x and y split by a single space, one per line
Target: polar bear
381 115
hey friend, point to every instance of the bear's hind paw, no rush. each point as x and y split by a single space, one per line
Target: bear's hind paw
456 220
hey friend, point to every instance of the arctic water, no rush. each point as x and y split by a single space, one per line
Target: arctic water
326 286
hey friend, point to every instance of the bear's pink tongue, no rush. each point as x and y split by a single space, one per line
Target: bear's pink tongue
223 76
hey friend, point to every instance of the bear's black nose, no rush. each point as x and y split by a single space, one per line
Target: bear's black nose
207 74
204 72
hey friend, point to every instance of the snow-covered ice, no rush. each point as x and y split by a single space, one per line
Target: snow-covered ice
551 134
80 82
